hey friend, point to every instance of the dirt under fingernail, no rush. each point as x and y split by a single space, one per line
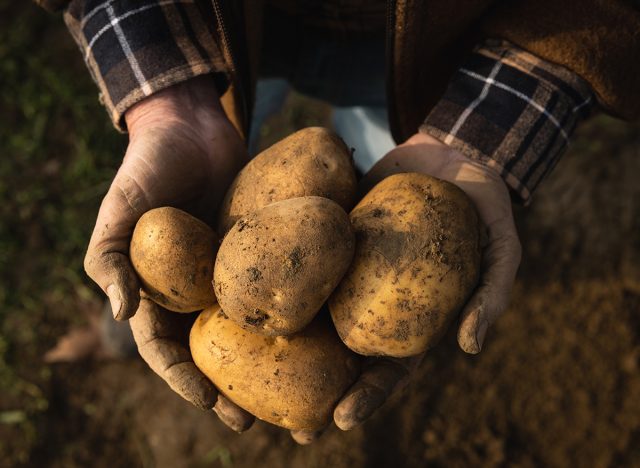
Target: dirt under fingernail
115 300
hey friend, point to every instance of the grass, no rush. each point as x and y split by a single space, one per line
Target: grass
59 152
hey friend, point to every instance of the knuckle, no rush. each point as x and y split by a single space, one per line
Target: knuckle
89 264
514 248
506 246
496 305
147 350
131 193
499 307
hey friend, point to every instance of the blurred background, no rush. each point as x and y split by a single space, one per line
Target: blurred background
558 383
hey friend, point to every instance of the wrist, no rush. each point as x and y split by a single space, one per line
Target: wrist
481 182
511 111
439 154
426 154
447 156
423 152
194 102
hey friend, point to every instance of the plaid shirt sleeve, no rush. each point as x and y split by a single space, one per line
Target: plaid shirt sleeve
511 111
134 48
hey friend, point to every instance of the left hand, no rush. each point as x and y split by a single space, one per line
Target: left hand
163 342
500 260
183 152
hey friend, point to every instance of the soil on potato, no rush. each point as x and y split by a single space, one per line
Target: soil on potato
556 385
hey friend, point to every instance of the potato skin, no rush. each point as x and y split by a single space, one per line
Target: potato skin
312 161
293 382
173 254
277 266
417 261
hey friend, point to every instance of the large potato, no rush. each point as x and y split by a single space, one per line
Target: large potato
312 161
417 260
173 254
293 382
277 266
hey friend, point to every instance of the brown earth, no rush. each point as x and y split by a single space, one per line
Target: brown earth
556 385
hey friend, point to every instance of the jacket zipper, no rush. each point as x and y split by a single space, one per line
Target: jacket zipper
226 45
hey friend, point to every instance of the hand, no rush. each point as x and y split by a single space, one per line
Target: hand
182 152
486 189
380 378
163 342
501 257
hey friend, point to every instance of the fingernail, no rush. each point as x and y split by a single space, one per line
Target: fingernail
368 406
235 418
115 300
480 333
363 404
305 437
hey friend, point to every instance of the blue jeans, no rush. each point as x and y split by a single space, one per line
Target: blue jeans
347 73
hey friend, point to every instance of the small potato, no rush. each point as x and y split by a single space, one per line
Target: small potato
312 161
277 266
417 261
293 382
173 254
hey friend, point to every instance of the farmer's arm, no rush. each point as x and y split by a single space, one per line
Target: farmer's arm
135 49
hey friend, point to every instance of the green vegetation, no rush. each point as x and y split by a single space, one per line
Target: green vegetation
557 383
59 152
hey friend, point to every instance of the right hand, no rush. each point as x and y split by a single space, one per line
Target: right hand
183 152
381 377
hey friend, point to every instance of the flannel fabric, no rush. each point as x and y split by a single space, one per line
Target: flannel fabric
134 48
504 107
512 111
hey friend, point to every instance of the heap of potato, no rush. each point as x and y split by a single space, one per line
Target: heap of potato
394 273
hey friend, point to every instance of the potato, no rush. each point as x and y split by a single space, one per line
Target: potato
277 266
417 261
293 382
312 161
173 253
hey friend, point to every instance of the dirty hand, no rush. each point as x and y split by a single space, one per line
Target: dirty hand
501 257
380 377
486 189
182 152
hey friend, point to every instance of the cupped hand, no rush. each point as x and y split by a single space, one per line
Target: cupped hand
183 152
500 260
488 192
162 338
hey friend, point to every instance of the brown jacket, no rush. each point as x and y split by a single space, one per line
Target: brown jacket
597 39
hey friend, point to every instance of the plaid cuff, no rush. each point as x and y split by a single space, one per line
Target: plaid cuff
134 48
511 111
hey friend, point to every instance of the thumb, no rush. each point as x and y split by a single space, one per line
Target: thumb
107 259
380 377
501 259
306 437
113 272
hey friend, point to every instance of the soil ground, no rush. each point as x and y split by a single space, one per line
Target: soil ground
557 384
